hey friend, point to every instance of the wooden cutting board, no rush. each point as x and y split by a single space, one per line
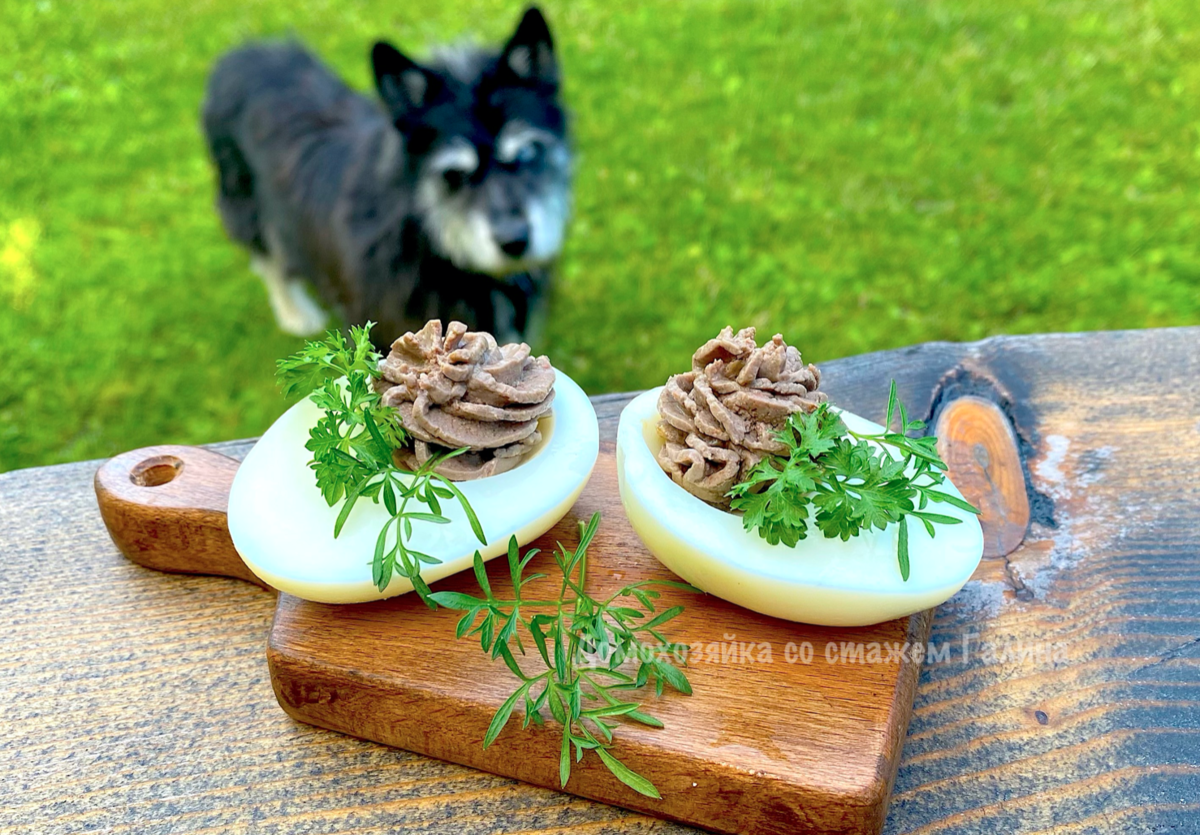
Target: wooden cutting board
789 729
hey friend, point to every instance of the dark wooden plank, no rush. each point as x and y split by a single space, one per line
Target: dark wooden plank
137 702
1104 719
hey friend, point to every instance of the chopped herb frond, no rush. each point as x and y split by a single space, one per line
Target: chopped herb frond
352 445
846 482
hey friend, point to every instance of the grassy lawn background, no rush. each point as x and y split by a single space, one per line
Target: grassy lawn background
858 175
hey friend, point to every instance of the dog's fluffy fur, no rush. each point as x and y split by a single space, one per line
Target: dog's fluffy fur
447 202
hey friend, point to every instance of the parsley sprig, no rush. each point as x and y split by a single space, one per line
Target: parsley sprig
853 481
582 642
352 445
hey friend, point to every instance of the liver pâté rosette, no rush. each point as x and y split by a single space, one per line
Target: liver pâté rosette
720 419
743 479
461 390
393 471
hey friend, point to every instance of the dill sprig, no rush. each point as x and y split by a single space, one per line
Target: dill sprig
582 642
352 445
854 481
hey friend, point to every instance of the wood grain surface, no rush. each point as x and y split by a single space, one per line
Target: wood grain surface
137 702
977 442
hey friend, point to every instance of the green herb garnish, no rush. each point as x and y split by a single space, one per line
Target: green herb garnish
850 480
352 446
582 642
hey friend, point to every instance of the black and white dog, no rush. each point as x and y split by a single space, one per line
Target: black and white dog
448 203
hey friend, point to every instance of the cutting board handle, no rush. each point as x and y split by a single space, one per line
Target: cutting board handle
165 508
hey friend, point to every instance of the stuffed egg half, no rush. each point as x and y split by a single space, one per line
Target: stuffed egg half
821 581
283 529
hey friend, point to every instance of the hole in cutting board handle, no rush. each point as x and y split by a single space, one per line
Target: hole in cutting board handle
156 471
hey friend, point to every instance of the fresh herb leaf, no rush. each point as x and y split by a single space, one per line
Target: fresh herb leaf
845 482
501 717
580 641
627 775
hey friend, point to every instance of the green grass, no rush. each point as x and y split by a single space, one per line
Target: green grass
857 175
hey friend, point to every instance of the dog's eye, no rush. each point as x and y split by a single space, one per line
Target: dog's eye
529 153
455 178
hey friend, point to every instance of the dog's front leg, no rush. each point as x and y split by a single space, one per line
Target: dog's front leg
294 309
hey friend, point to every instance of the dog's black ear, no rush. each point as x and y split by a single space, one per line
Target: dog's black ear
404 85
529 54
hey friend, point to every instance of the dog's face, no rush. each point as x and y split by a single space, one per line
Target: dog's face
485 136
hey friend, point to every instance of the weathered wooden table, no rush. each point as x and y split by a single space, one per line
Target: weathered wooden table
1063 695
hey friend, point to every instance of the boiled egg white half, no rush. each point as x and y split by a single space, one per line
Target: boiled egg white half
821 581
283 529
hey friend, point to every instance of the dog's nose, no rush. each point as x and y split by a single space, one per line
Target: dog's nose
516 247
514 239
